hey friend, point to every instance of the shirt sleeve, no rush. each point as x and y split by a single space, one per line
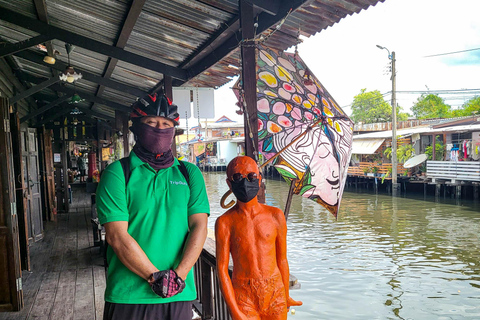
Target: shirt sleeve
198 202
111 199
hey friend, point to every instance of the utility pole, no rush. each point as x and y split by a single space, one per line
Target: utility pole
395 185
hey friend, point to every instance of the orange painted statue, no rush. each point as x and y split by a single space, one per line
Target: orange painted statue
255 235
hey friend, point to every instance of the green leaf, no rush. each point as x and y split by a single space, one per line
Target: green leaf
306 188
308 177
286 171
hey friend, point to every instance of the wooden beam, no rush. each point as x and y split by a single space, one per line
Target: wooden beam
59 113
89 97
268 6
45 108
90 44
34 89
9 49
129 23
33 57
71 92
265 21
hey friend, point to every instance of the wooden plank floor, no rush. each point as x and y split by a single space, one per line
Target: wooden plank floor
67 278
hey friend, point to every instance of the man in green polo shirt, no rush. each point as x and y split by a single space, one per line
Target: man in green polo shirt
156 224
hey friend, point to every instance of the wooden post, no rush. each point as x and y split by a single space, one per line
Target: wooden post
168 90
126 133
434 137
459 191
438 187
249 78
475 191
206 294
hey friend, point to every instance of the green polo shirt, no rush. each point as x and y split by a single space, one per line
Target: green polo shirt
157 206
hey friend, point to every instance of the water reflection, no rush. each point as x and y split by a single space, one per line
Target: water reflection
384 258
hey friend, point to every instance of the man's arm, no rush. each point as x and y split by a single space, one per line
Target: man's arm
282 262
222 241
197 235
128 250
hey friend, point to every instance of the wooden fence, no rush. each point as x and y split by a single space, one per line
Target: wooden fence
454 170
383 168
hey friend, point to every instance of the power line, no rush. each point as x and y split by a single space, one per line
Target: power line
447 53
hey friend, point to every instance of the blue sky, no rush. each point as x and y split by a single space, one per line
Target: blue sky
345 58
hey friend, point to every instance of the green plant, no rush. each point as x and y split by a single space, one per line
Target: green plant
366 170
388 174
375 169
439 151
405 173
404 152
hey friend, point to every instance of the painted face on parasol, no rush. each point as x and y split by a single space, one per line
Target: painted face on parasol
326 175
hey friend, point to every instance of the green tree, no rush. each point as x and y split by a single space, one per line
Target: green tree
370 107
431 106
471 107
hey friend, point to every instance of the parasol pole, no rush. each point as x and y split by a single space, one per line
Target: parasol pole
289 199
229 192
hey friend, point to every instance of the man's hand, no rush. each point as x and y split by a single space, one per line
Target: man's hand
166 283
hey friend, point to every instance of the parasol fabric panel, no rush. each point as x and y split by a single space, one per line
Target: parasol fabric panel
302 127
367 146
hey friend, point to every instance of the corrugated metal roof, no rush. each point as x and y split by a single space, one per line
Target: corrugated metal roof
178 33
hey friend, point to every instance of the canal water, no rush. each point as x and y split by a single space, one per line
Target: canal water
384 258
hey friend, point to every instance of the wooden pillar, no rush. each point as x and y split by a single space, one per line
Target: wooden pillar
126 133
475 192
459 192
249 78
168 90
434 146
438 187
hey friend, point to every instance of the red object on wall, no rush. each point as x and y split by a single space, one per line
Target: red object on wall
92 163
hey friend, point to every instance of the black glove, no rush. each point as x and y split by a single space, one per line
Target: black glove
166 283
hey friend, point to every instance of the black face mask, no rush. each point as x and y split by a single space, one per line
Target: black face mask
245 190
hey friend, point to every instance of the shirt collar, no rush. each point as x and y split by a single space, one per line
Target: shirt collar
136 162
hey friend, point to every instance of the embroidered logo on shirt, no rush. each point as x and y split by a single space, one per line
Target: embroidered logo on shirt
178 182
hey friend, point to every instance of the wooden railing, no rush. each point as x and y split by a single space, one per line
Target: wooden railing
210 303
454 170
382 169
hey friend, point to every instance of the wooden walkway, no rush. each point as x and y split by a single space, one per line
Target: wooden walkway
67 278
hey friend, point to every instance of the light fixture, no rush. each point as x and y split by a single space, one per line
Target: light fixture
75 111
69 75
76 99
75 121
49 60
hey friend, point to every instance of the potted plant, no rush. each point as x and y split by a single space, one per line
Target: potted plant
375 170
366 170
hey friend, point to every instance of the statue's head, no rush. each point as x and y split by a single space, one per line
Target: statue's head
243 178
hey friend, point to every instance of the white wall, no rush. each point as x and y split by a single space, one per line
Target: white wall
226 150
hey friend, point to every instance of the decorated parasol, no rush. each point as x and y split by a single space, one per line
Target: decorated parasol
301 129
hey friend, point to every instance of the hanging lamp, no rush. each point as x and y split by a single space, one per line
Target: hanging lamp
70 75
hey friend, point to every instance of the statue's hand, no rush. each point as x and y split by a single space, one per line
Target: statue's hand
291 302
239 316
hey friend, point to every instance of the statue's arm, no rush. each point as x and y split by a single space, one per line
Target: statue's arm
222 241
282 262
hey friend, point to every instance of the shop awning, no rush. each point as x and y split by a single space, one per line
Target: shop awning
366 146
